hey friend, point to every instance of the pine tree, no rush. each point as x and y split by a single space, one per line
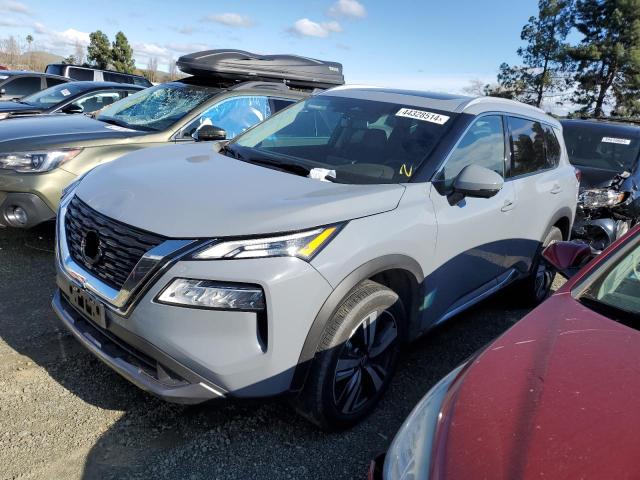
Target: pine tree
608 58
99 50
122 54
543 58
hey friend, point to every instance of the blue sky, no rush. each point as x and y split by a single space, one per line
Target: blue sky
426 44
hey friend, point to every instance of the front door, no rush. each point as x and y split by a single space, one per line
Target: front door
472 239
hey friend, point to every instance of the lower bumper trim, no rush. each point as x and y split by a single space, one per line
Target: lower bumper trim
175 390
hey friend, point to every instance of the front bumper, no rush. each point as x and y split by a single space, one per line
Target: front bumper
243 354
37 193
138 365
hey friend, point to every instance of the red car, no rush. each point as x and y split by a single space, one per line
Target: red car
555 397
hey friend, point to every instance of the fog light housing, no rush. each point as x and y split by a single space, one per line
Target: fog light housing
16 216
213 295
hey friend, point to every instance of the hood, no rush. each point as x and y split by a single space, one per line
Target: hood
554 397
191 191
596 177
18 108
47 131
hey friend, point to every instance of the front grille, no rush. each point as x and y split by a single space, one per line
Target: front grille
121 246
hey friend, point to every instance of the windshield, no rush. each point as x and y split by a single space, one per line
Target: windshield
156 108
364 141
602 147
616 288
54 95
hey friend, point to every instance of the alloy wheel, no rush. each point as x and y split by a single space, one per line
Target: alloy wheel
364 362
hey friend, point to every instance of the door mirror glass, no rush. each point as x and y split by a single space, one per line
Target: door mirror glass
477 181
567 257
209 133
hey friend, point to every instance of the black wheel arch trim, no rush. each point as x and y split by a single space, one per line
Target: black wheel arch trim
333 302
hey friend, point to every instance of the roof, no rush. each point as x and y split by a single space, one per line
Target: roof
629 129
98 85
442 101
14 73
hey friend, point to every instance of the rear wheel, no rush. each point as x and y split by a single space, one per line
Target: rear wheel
537 286
356 358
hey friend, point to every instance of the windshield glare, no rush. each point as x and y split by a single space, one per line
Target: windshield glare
619 285
156 108
54 95
364 141
604 148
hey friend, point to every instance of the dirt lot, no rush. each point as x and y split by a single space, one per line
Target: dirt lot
63 414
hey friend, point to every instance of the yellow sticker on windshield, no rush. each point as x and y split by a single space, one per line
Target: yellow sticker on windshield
406 171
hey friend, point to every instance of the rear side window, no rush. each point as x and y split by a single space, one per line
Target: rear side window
116 77
22 86
81 74
482 144
54 70
51 82
527 146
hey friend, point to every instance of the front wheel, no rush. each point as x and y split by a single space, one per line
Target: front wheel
356 358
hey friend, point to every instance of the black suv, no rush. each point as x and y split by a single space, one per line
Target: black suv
15 84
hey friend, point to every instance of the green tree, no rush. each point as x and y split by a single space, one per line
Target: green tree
607 60
122 54
70 60
99 50
543 58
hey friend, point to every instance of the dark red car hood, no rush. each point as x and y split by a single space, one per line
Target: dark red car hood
556 397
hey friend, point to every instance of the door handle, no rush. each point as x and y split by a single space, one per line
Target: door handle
556 189
508 205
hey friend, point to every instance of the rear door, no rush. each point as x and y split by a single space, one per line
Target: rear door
472 239
533 172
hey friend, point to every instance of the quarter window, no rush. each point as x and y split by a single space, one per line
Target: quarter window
82 74
482 144
527 146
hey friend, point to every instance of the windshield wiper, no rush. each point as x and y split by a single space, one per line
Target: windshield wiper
290 167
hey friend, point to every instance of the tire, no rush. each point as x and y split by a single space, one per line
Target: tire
349 374
537 286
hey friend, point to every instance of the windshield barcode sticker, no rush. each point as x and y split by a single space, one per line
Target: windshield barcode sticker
65 92
422 115
619 141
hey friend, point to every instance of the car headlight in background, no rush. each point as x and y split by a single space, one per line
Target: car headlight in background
304 245
409 456
33 162
601 197
211 294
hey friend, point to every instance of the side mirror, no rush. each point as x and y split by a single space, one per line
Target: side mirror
477 181
72 109
567 257
209 133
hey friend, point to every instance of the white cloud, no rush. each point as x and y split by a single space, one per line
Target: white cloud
14 7
231 19
348 8
309 28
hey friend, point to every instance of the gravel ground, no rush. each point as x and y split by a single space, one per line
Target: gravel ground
63 414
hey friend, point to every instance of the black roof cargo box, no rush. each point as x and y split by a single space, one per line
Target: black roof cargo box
240 66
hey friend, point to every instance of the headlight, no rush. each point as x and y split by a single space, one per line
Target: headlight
601 197
30 162
210 294
409 456
304 245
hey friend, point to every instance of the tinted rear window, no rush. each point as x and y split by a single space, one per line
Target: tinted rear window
55 70
602 146
81 74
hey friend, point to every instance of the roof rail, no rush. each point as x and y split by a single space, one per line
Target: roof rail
262 86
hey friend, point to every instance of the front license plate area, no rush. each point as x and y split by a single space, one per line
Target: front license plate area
88 306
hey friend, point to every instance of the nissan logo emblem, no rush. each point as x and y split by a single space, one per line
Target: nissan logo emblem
90 247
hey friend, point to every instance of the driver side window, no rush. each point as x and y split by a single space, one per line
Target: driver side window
233 115
483 144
